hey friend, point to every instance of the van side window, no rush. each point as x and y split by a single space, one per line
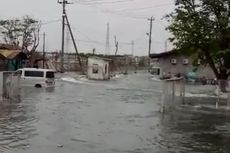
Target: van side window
49 74
34 74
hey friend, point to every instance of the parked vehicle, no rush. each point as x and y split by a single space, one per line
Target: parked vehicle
37 77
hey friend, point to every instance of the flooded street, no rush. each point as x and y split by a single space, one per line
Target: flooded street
119 116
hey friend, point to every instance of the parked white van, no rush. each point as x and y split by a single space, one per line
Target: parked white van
37 77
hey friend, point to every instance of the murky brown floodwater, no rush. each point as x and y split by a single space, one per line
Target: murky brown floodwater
120 116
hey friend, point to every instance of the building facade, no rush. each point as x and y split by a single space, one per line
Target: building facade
173 63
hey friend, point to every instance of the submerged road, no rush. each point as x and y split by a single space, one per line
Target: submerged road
118 116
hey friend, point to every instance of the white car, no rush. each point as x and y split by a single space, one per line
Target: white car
37 77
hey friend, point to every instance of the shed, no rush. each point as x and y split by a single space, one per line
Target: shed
98 68
11 60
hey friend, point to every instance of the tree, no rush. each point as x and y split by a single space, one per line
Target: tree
22 34
201 28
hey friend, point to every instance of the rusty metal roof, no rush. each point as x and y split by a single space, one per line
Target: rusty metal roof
9 54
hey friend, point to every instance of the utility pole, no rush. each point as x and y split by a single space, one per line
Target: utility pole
116 45
64 3
166 45
107 45
44 48
64 22
132 43
150 38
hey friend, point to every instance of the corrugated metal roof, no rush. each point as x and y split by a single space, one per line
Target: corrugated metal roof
9 54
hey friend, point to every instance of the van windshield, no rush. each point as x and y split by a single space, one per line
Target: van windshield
34 73
50 74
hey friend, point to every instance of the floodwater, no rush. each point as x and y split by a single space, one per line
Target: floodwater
119 116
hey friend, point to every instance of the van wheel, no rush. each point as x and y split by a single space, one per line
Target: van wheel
38 86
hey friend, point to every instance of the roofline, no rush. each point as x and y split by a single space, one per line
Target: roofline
163 54
36 69
101 58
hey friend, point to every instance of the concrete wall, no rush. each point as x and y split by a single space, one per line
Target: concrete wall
166 66
102 66
9 85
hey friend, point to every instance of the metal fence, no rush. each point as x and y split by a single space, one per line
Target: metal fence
177 92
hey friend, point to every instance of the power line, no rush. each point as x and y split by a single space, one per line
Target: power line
116 12
51 21
103 2
121 14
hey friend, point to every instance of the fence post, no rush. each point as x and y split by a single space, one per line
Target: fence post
218 95
173 92
228 100
164 93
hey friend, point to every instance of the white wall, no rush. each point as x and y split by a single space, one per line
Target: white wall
166 66
102 74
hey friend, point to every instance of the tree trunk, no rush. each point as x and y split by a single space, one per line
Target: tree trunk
223 77
223 85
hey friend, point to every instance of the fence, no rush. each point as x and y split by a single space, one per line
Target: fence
173 93
176 93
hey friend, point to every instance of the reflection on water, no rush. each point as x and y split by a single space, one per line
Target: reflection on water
15 124
120 116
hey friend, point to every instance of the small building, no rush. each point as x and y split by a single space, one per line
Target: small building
98 68
174 63
11 60
11 57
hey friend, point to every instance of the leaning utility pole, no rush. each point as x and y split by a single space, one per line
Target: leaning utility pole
74 44
150 38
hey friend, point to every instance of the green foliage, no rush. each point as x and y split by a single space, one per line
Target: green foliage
201 28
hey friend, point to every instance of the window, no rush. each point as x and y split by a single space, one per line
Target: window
95 68
49 74
34 73
198 61
185 61
155 71
173 61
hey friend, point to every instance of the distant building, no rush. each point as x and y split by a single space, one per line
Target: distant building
174 63
98 68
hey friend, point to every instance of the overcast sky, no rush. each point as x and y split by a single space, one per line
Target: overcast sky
127 19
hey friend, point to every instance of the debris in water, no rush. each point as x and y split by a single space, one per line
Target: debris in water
60 146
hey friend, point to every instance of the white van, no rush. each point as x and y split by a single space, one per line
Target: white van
37 77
